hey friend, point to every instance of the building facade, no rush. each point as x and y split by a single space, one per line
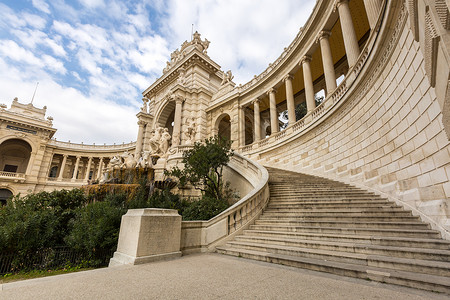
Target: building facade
383 123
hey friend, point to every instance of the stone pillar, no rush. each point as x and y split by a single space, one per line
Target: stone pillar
88 169
373 8
241 126
273 112
140 138
348 32
257 120
100 168
177 122
146 235
290 99
327 60
63 166
309 88
75 170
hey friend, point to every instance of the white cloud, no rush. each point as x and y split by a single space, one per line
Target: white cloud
92 3
41 5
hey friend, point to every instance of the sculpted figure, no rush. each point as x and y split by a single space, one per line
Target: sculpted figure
114 163
155 140
128 160
165 139
227 77
145 161
190 130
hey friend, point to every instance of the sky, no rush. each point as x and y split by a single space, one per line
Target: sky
93 58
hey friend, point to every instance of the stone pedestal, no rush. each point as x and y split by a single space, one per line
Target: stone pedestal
147 235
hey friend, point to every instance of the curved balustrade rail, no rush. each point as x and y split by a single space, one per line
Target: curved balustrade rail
12 175
201 236
70 145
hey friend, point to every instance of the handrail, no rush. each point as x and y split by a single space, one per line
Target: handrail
237 217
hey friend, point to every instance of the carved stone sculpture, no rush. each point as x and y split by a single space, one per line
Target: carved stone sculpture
190 130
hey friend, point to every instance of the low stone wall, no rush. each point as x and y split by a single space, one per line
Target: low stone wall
203 236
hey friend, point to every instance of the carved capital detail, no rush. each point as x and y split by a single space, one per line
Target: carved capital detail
305 59
288 77
272 90
324 34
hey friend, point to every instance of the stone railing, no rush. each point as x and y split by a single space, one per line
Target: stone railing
114 147
203 236
12 175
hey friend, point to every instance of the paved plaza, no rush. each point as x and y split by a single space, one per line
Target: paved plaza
206 276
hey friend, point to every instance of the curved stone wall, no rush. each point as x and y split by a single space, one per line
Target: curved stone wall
387 135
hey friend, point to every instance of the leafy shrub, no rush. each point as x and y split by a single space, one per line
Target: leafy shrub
204 209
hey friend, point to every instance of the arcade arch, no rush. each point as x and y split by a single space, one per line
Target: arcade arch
5 194
14 156
223 126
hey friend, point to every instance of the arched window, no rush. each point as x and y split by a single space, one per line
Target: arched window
5 194
53 171
14 156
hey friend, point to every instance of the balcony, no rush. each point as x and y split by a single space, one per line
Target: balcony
16 177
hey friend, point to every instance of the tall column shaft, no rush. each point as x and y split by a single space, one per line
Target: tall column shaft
290 100
63 166
327 59
241 126
177 122
309 88
140 138
348 32
273 112
373 8
88 169
100 168
257 120
75 170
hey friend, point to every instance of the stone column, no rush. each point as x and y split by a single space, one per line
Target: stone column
309 88
348 32
177 122
327 60
63 166
75 170
257 120
290 99
241 126
100 168
88 169
373 8
140 138
273 112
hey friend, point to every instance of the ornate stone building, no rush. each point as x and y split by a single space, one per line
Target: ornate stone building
383 124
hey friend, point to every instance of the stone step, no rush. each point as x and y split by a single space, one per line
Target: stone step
410 279
358 224
322 198
368 249
347 202
336 207
432 243
390 232
341 212
338 218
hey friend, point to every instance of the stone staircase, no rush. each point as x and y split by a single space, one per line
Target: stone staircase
328 226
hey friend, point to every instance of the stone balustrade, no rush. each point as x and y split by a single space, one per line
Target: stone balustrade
12 175
202 236
76 146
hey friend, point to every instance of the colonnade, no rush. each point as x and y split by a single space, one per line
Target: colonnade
90 163
352 51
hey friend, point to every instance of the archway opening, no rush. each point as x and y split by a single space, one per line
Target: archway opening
224 128
14 156
5 194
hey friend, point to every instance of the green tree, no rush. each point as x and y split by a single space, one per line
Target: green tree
203 166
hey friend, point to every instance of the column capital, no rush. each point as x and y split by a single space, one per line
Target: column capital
90 157
78 157
65 155
305 59
337 3
288 77
141 123
324 34
101 158
145 99
256 101
271 91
